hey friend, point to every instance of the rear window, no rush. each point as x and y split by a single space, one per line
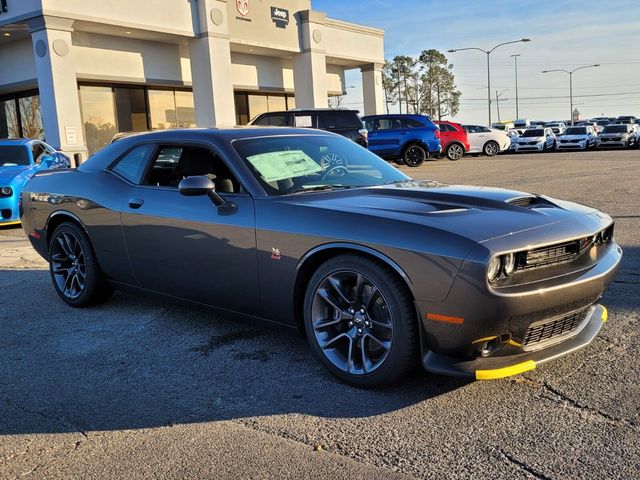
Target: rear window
11 155
338 119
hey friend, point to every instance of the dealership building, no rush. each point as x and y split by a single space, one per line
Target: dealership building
76 72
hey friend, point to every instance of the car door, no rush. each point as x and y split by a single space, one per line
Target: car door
386 138
185 246
476 138
447 133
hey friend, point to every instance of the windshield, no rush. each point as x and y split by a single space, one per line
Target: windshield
11 155
576 131
536 132
615 129
299 163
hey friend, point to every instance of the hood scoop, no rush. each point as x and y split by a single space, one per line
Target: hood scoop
529 201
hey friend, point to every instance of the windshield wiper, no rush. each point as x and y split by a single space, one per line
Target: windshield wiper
318 188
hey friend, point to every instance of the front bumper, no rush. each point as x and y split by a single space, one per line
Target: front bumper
491 368
571 146
9 211
620 144
530 148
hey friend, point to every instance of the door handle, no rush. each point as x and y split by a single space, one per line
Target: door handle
135 203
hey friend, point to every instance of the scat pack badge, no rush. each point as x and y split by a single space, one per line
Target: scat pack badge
275 254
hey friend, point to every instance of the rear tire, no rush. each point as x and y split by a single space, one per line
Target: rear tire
360 321
454 151
74 269
491 149
415 155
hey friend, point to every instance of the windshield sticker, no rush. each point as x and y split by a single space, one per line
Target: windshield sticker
274 166
303 121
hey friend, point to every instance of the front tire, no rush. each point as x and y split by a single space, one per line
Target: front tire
491 149
74 269
454 152
360 321
415 155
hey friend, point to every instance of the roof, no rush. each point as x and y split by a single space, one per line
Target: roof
227 132
15 141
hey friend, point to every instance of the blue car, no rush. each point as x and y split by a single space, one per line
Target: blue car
19 160
409 139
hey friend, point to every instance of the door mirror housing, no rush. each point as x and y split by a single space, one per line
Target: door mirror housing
200 185
48 161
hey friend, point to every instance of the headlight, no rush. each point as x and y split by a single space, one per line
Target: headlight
493 269
6 191
509 263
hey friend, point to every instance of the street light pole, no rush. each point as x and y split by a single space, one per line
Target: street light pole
515 58
571 72
488 52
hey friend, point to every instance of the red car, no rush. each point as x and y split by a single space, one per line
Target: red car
453 137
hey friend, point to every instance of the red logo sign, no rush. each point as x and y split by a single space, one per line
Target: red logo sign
243 7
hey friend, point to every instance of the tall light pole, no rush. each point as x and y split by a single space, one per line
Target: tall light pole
571 82
488 52
515 58
498 95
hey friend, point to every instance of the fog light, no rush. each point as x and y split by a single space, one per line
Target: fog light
493 269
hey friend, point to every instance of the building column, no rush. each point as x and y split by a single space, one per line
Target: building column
372 91
210 53
310 66
57 84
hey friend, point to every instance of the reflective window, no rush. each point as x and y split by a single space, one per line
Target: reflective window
242 110
99 116
250 105
31 117
185 109
131 166
162 108
131 109
9 119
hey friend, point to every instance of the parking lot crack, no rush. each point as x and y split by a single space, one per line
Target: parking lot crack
521 465
58 420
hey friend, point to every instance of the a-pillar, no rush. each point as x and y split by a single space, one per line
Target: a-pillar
310 65
372 91
57 84
210 53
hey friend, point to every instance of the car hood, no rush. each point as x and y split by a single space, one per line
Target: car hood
531 139
573 137
477 213
8 174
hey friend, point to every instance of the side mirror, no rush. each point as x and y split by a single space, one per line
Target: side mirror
48 161
200 185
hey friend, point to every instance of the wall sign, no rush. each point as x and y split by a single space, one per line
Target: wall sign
242 6
3 6
280 17
71 135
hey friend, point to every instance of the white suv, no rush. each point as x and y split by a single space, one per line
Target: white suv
577 138
536 140
488 141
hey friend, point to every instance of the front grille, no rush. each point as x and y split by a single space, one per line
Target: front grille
554 254
541 333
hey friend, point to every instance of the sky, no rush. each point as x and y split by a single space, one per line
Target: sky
565 34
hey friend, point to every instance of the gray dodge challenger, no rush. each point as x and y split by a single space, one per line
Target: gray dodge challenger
309 230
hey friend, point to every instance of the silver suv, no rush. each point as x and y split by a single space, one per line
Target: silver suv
617 136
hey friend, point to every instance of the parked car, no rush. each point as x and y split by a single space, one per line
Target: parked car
454 139
409 139
513 136
617 136
626 119
488 141
20 159
536 140
341 121
376 269
558 128
577 138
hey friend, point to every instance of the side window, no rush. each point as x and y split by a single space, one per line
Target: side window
263 120
132 165
172 163
484 130
274 120
471 129
409 123
388 124
445 128
369 124
38 152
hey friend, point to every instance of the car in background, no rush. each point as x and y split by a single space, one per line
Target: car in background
577 138
20 159
454 139
617 136
536 140
513 134
341 121
407 139
557 127
487 141
626 119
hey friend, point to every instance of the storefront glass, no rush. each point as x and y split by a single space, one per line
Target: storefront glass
250 105
185 109
162 108
99 116
131 109
9 119
31 117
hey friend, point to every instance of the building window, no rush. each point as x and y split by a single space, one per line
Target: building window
251 104
21 116
109 109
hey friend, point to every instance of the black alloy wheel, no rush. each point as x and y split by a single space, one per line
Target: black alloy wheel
415 155
74 269
491 149
455 151
360 321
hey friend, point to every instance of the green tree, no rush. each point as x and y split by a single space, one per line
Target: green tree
398 76
438 96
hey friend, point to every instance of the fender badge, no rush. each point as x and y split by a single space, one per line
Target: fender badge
275 254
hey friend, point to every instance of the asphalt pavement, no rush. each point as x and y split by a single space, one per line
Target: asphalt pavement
139 389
